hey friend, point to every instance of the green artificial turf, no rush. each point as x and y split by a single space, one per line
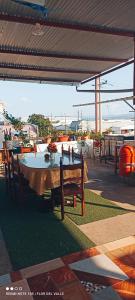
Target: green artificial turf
96 208
33 234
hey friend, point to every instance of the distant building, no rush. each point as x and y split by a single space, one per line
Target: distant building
75 125
62 128
82 125
127 129
30 129
117 126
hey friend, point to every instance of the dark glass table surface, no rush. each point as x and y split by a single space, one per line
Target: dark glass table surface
37 160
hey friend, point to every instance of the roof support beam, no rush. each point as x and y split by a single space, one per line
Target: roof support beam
109 71
38 79
105 91
31 52
106 101
67 25
44 69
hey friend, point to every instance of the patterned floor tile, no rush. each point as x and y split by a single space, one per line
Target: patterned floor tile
42 268
96 279
102 249
106 294
120 243
16 276
75 291
125 259
105 231
68 259
62 276
16 291
100 265
92 288
126 289
5 279
43 283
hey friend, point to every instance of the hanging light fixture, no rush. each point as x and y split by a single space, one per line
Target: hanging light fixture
38 30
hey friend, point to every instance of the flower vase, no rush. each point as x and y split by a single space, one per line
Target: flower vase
52 156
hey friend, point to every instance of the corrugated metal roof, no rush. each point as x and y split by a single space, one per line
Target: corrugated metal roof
67 41
114 14
57 62
74 76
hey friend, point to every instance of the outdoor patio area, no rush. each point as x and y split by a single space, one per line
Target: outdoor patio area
67 150
89 257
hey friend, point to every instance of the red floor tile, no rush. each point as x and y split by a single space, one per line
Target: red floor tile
68 259
15 276
96 279
75 291
63 275
125 259
43 284
126 289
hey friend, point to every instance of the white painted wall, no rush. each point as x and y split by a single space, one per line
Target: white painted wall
85 146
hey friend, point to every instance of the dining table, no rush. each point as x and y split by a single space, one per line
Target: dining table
43 174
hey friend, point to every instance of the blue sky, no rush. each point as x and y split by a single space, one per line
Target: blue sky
23 99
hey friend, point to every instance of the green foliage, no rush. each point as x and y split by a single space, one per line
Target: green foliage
79 133
16 122
97 136
108 130
54 135
71 132
61 133
44 125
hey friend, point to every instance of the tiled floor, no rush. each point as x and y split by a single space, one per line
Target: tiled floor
105 182
106 272
102 273
111 229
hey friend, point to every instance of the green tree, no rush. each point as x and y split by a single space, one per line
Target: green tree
16 122
44 125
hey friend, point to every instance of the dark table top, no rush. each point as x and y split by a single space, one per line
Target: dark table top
37 160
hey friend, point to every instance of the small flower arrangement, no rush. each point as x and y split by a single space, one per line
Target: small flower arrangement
47 156
52 148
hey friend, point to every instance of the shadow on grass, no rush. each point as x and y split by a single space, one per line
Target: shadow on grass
103 205
96 208
34 234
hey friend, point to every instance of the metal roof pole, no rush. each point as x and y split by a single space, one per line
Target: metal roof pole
107 101
100 110
97 99
109 71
